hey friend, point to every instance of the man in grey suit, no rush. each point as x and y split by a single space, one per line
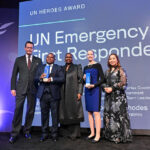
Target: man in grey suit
22 87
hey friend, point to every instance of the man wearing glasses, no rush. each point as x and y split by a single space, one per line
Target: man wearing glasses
22 86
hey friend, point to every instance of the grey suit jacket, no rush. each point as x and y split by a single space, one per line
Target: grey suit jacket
23 78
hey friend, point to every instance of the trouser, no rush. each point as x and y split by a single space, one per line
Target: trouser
48 103
17 119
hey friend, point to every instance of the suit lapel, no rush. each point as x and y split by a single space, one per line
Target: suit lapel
43 68
53 69
25 62
33 62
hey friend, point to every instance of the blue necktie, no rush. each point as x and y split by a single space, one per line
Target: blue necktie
48 67
47 71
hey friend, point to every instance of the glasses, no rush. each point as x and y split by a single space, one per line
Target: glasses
29 47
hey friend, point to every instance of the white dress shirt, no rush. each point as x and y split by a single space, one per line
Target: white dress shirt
27 58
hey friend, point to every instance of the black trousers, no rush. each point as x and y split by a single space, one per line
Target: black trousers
48 103
17 119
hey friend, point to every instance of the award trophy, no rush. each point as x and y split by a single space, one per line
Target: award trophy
46 71
88 79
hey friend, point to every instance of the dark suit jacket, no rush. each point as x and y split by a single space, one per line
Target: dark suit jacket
26 77
58 78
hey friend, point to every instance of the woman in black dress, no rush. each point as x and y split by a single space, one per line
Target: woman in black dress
116 118
71 111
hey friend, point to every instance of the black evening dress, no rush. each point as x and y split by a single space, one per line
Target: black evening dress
116 118
70 109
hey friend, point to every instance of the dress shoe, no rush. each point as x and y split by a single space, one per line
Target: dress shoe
28 136
12 140
72 138
54 139
117 140
89 138
95 141
42 139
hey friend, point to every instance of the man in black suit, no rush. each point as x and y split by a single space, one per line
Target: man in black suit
49 95
22 87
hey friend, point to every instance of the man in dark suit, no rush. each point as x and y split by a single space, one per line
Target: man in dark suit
22 87
49 95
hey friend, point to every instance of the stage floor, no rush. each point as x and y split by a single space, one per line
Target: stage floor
139 143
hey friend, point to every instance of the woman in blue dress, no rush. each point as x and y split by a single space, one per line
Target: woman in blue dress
93 96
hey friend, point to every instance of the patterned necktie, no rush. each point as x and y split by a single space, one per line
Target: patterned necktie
29 62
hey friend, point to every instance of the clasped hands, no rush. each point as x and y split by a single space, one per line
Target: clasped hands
43 75
108 89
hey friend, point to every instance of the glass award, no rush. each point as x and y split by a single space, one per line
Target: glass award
46 71
88 79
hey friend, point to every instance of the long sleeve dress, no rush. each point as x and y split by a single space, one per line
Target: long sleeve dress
93 96
70 109
116 118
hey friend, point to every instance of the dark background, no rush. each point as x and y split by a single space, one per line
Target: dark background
11 3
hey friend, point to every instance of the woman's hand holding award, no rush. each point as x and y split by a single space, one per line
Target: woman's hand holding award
88 79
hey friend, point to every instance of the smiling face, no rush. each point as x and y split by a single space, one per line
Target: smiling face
113 60
90 55
29 48
68 58
50 58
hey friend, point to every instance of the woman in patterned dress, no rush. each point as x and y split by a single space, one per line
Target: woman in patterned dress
116 118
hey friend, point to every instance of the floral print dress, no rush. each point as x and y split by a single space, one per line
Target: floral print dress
116 118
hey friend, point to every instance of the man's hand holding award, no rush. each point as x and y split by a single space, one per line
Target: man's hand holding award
45 75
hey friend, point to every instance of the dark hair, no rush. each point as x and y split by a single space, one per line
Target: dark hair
29 42
118 64
69 54
52 54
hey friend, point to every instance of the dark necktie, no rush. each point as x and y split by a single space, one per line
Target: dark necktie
29 62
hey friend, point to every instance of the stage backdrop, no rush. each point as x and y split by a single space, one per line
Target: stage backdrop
8 49
75 26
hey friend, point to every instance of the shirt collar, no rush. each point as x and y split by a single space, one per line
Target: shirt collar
28 55
51 65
